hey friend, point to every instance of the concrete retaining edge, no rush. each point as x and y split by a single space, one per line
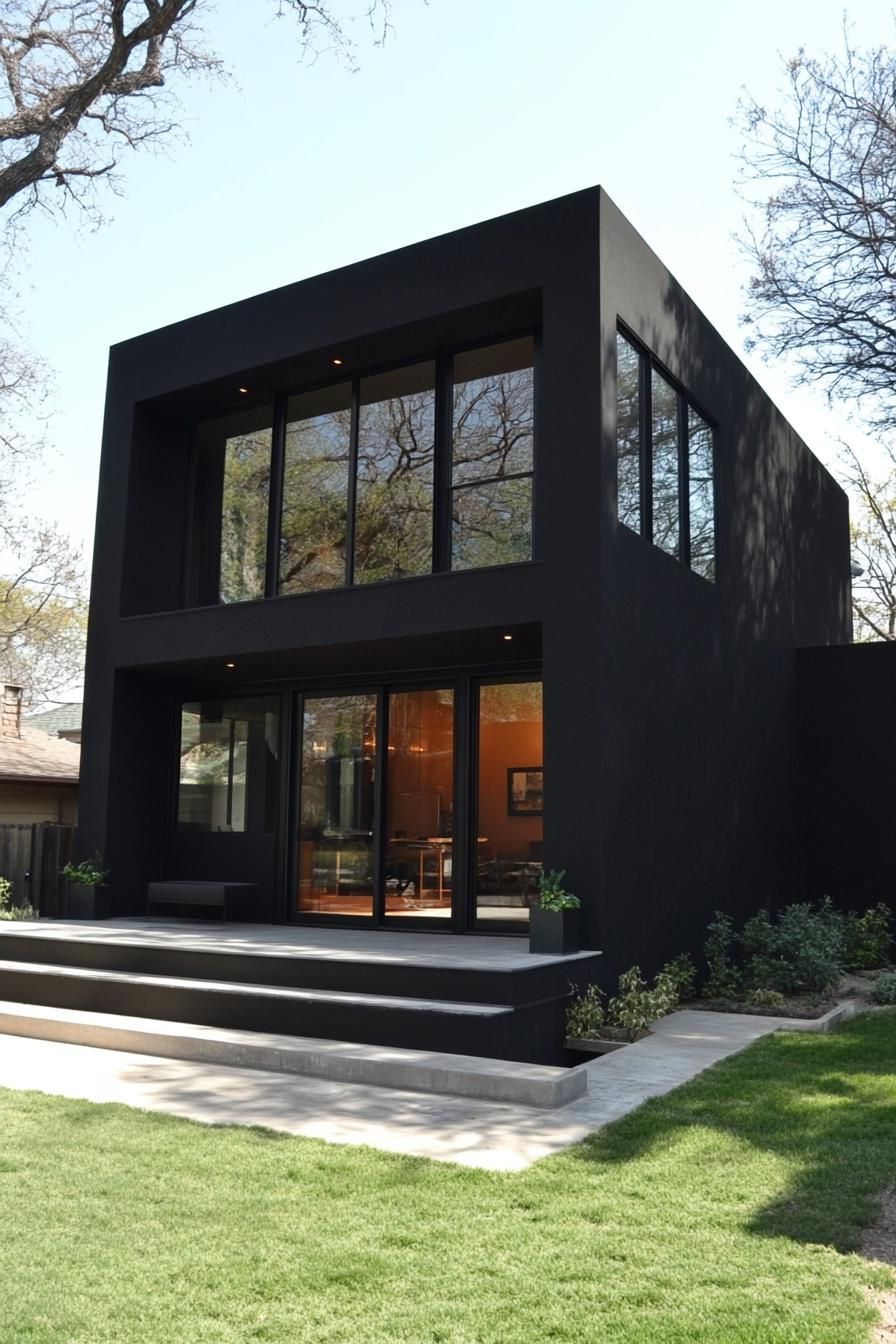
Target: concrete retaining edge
544 1086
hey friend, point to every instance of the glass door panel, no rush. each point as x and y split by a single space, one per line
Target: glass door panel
509 800
419 803
336 801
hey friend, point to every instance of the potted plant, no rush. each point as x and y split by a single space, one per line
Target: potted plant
554 917
598 1029
86 894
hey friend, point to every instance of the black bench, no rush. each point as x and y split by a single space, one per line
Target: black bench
214 894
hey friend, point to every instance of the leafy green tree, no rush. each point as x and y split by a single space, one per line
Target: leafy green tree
43 614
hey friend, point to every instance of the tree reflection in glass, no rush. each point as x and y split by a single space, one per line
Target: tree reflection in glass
315 490
628 434
335 858
492 455
664 399
701 495
394 504
244 511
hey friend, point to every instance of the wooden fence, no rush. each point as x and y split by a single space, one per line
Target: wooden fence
32 857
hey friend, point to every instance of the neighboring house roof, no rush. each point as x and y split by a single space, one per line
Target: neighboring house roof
38 758
63 719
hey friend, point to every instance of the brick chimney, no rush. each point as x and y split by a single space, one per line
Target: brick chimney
11 712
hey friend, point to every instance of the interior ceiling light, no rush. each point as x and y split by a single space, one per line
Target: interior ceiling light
507 636
337 362
244 390
230 664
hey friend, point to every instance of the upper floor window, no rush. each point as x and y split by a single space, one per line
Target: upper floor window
427 467
395 474
493 433
313 514
665 461
245 498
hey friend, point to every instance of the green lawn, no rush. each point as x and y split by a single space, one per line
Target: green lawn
723 1213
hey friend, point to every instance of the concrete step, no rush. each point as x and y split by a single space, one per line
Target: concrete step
451 1025
237 988
388 967
540 1085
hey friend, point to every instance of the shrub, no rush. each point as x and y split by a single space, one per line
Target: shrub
586 1014
15 912
884 989
633 1007
800 951
867 938
766 998
8 911
723 980
683 973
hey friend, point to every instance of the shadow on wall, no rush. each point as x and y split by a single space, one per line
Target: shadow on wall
783 541
705 756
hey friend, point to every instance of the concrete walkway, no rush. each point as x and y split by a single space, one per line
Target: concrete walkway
491 1135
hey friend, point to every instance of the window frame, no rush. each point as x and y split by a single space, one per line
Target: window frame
648 364
206 532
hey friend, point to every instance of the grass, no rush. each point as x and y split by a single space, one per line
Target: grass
724 1213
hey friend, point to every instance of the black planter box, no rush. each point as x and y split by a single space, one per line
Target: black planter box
83 902
553 932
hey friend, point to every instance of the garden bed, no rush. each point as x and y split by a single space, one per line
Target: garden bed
801 1006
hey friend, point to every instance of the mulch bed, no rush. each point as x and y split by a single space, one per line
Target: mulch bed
796 1005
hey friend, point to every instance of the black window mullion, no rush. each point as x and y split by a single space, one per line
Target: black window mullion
275 497
645 405
380 765
442 466
463 842
684 493
352 484
536 465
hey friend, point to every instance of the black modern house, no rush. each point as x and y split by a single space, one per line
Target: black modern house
479 558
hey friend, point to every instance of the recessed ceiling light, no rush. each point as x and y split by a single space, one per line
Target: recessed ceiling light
337 362
244 390
230 664
507 636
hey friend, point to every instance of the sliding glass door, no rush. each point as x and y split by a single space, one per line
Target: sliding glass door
419 804
390 830
509 800
337 781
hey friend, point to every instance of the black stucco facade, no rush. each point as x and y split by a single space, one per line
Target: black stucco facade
669 702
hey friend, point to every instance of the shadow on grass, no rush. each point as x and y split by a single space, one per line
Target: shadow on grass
826 1104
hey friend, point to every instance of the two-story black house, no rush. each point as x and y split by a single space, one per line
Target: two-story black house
480 558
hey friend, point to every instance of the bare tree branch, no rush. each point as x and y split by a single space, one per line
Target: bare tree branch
73 71
820 173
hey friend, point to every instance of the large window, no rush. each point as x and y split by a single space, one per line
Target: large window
429 466
245 501
493 418
665 461
396 448
314 518
228 765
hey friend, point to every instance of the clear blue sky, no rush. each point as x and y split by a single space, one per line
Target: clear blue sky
474 108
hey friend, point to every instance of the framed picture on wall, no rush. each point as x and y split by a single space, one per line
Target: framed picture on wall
525 791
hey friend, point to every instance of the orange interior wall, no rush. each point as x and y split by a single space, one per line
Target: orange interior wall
503 746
